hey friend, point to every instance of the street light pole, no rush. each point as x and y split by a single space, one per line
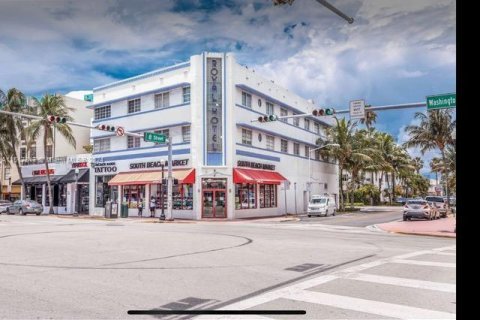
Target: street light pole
170 181
162 215
75 193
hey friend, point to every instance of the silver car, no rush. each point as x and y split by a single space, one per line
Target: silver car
4 204
420 209
25 206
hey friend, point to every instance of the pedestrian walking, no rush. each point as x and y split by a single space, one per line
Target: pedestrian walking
140 207
152 207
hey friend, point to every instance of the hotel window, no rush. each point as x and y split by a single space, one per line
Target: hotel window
133 105
316 127
33 152
246 99
186 94
245 196
23 153
307 124
246 136
269 108
101 145
133 142
270 142
49 151
162 100
268 196
102 112
296 149
186 133
296 121
284 112
284 146
165 132
307 151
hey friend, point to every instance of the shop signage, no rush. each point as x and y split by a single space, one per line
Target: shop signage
80 165
214 111
255 165
157 164
105 167
42 172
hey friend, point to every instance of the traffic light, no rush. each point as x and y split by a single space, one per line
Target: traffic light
323 112
106 127
269 118
56 119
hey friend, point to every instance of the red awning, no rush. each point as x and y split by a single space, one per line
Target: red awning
190 177
257 176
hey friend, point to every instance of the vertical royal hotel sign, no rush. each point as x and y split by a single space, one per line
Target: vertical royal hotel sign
214 112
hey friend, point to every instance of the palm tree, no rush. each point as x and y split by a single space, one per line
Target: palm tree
370 117
398 159
435 131
11 127
50 105
385 145
417 162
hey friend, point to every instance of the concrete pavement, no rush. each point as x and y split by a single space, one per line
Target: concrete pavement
441 227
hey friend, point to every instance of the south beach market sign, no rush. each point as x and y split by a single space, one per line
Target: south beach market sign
157 164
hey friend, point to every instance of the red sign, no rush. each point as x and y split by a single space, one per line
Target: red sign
80 165
42 172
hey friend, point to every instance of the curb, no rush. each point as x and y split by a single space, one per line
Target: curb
378 229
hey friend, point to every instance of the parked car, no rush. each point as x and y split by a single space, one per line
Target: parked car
4 204
419 209
441 205
25 206
321 205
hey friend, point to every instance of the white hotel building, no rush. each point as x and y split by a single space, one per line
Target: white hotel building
226 166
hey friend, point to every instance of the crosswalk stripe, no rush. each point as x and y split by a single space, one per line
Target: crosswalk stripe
454 247
368 306
444 253
403 282
426 263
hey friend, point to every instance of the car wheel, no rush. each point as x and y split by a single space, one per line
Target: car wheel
37 214
309 216
404 218
21 212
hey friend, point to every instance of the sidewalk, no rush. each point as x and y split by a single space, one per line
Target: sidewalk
439 228
380 208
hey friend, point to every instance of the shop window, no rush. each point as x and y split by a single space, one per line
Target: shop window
162 100
103 192
247 137
182 196
246 99
268 196
270 142
62 195
133 105
133 194
245 196
186 94
33 152
270 108
102 112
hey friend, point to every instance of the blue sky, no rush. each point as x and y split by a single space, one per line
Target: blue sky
396 51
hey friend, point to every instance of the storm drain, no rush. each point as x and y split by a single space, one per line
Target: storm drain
305 267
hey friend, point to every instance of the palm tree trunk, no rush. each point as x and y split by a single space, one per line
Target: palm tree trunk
445 169
380 184
393 186
49 184
388 188
341 189
19 168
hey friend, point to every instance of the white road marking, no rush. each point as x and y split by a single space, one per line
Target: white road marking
369 306
444 253
403 282
426 263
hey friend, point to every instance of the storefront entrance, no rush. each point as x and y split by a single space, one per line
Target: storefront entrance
214 199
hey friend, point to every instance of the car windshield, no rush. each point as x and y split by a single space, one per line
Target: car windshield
317 201
416 202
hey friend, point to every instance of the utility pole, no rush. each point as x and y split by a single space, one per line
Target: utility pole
170 181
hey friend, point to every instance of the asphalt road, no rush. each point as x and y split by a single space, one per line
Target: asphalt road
66 268
356 219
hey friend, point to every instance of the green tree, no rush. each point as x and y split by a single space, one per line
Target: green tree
435 131
11 128
50 105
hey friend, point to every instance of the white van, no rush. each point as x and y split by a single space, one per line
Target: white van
322 205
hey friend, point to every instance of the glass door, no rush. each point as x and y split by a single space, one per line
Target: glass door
208 210
220 204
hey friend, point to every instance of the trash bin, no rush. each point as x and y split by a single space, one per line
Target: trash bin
124 211
108 209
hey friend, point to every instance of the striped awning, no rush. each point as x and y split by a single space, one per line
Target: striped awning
151 177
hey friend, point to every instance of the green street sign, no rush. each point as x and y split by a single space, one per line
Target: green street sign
442 101
154 137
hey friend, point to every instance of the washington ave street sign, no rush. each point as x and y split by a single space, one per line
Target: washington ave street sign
442 101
